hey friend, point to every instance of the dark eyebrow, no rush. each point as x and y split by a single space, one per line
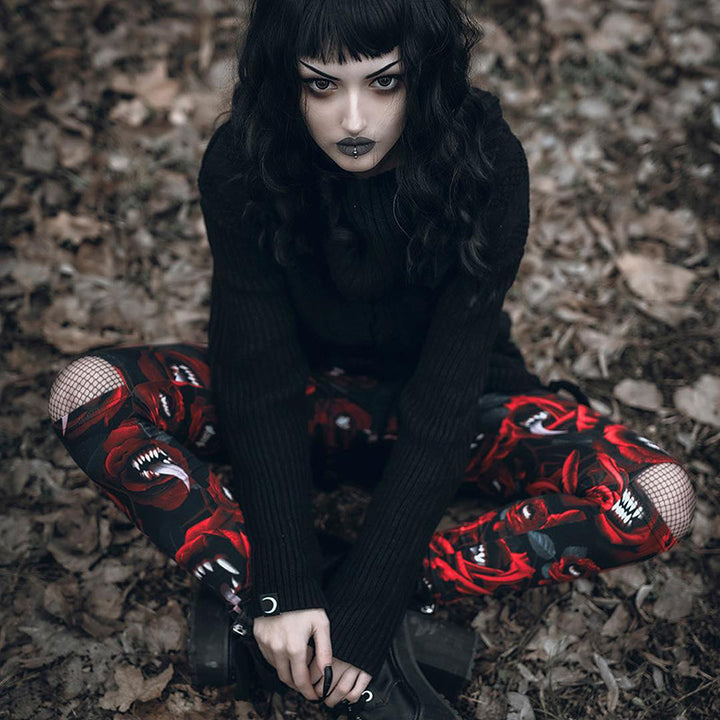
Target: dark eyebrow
367 77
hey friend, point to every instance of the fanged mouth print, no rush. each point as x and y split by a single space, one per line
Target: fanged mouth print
154 463
165 405
628 509
183 374
479 554
211 566
207 433
535 424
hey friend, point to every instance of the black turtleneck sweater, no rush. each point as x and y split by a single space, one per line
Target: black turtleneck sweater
271 326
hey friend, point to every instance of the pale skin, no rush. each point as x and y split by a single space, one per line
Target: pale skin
351 105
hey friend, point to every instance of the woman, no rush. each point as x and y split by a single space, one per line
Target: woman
367 212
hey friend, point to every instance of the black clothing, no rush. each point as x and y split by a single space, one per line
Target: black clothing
271 325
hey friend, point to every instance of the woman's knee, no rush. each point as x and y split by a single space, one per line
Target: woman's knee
83 380
670 489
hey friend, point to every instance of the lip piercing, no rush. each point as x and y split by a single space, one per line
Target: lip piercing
355 151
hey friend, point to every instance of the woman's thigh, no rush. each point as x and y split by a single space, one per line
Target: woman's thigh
541 442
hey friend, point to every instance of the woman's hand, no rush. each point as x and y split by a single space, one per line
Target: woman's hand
348 682
283 642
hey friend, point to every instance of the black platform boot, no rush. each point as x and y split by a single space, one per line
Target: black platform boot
400 691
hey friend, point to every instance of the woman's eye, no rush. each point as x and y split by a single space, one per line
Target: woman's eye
310 82
395 78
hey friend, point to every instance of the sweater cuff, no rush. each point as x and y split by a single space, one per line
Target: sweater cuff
279 585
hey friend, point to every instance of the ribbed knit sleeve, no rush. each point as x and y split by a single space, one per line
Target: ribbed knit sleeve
436 424
258 378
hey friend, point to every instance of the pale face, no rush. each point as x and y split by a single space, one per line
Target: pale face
360 100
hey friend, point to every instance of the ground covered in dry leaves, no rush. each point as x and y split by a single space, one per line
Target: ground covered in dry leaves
106 108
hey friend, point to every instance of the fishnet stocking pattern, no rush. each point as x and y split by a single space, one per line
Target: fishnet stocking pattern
670 489
81 381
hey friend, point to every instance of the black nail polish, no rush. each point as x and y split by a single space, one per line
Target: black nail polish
327 681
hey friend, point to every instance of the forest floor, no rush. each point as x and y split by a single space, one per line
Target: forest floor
106 109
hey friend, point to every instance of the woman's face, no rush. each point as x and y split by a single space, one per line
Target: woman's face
360 100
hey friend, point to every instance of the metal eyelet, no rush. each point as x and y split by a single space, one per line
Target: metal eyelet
239 628
369 696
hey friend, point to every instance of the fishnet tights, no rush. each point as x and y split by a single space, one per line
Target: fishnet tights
81 381
670 490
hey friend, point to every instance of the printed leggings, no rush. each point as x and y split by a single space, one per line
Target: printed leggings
576 493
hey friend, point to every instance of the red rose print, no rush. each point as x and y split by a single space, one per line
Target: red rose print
152 472
203 426
217 538
482 575
633 446
339 421
160 363
160 402
523 516
571 568
93 416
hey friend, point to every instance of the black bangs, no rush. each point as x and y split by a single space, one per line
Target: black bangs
365 28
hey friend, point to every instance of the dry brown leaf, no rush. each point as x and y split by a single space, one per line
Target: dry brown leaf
638 393
61 598
103 601
18 472
73 151
154 87
676 597
27 274
133 686
701 400
609 679
131 112
16 535
38 149
692 48
617 31
74 228
562 18
672 315
655 280
628 577
161 631
520 707
617 623
677 228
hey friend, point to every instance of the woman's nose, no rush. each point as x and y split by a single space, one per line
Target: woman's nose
353 118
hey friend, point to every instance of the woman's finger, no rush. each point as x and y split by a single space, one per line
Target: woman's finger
323 644
343 686
284 671
317 673
361 683
301 675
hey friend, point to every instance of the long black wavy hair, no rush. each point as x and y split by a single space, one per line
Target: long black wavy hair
445 174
